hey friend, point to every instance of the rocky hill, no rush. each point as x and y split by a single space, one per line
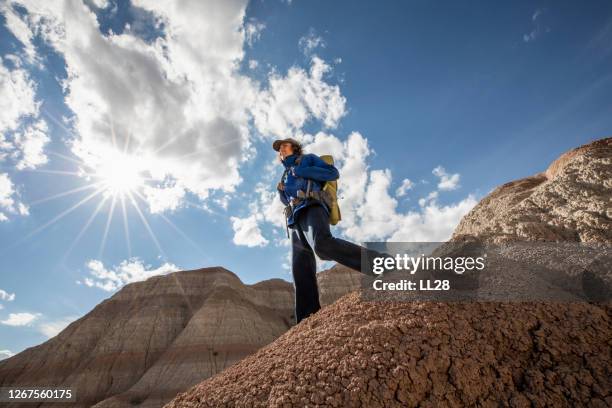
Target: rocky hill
357 353
156 338
571 201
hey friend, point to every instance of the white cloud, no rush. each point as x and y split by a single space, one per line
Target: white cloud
286 263
268 206
178 102
530 36
538 27
323 143
310 42
9 201
22 209
31 144
5 296
100 3
18 98
536 14
434 223
8 297
129 270
164 198
23 144
53 328
247 232
6 354
20 319
406 185
222 201
447 181
376 213
20 29
252 31
431 197
294 99
253 64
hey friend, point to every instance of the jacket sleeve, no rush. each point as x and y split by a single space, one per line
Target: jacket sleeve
315 168
283 199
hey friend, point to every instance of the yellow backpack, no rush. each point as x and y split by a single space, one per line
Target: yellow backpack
331 187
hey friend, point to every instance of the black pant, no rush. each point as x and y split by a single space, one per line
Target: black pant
312 235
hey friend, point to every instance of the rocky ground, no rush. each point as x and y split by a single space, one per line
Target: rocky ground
374 354
430 354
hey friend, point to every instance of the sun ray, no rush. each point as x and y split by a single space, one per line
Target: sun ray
200 207
176 228
58 122
64 193
126 229
60 172
107 226
67 158
146 224
87 224
113 135
55 219
126 145
174 275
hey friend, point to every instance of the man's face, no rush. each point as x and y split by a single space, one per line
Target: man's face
286 149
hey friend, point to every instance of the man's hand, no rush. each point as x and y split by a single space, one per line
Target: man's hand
280 186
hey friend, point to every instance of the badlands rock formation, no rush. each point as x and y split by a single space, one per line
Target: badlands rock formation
336 282
153 339
570 201
355 353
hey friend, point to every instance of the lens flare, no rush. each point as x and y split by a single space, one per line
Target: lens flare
120 174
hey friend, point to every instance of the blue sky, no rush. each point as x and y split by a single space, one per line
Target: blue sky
426 107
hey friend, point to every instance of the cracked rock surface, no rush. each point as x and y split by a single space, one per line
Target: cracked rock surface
385 354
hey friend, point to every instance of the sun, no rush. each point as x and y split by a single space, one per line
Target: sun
120 174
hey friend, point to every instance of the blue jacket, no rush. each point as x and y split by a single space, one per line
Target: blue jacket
311 167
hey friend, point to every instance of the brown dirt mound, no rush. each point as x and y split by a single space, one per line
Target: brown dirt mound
355 353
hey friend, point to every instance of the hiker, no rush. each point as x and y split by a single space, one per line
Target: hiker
308 219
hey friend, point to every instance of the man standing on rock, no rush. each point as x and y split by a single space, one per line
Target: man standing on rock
308 219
